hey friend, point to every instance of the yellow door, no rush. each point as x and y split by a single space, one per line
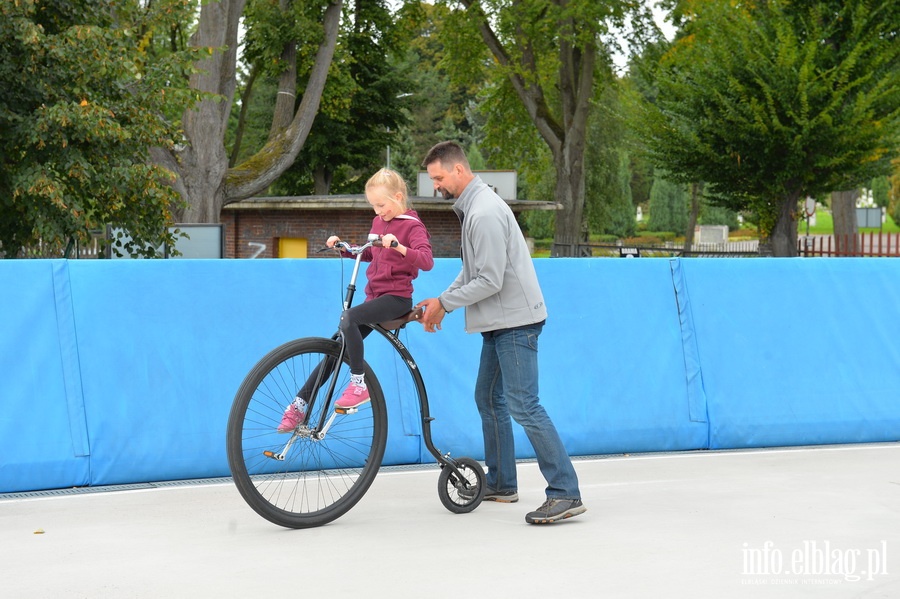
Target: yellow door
292 247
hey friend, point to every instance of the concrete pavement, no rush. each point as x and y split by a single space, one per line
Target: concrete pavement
795 522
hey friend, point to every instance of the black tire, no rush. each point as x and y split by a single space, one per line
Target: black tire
471 484
319 479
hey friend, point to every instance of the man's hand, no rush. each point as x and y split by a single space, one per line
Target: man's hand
434 314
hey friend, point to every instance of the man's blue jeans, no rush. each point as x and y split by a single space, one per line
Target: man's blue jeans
507 385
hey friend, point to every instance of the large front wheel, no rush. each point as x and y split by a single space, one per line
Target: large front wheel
316 473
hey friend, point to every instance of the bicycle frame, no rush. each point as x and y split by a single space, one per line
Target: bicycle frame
419 382
329 462
404 352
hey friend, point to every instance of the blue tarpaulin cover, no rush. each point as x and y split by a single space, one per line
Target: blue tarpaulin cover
124 371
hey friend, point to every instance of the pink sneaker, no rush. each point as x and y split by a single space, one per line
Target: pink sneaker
292 418
354 395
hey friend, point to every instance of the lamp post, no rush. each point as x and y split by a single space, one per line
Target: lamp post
388 156
389 151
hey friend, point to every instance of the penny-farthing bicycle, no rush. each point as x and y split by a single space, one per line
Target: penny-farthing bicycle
323 467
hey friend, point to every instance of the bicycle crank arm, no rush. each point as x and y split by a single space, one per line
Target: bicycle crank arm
321 434
280 456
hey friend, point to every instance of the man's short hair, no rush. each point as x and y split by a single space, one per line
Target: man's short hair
448 153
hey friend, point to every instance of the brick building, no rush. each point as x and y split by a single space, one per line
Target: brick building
297 226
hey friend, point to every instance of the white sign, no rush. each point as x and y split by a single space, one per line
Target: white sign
502 182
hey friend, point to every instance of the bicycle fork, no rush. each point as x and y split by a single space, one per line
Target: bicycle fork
321 431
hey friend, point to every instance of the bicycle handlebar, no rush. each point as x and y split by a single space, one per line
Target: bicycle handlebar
359 249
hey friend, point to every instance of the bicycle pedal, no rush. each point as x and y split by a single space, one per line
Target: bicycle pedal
346 411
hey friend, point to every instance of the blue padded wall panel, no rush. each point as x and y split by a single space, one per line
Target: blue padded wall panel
124 371
611 361
798 351
612 358
43 439
166 344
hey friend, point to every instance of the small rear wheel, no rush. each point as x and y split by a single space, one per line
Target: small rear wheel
461 493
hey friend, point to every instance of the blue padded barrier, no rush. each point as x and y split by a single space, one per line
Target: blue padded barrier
43 436
124 371
798 351
612 359
166 344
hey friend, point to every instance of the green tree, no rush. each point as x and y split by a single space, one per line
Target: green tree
386 88
608 202
711 214
668 206
360 109
201 162
547 56
772 102
881 191
75 133
439 107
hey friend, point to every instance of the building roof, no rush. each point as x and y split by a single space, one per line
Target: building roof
358 202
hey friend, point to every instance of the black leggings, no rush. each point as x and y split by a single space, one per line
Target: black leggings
355 320
354 329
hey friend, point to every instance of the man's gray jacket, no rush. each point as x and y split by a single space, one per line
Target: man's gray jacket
497 285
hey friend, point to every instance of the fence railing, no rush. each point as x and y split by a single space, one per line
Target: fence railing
861 244
730 249
58 250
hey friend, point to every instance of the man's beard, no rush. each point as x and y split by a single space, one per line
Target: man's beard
447 195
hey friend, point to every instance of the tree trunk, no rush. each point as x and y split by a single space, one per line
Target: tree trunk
263 168
564 133
202 162
846 228
242 117
322 179
783 238
567 141
696 192
201 165
569 163
286 99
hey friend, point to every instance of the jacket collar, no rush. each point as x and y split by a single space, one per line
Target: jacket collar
464 201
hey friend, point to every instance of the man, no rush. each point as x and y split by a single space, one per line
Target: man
499 289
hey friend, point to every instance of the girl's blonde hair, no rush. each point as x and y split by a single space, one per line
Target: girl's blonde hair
391 181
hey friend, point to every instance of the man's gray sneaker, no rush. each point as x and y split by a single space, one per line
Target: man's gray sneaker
555 509
493 495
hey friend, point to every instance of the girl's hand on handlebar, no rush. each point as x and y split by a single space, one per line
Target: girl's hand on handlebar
334 239
390 241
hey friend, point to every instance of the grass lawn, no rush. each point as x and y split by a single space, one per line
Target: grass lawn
825 225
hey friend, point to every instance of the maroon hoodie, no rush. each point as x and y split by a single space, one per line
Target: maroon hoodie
390 272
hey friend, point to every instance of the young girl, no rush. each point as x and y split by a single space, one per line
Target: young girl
389 287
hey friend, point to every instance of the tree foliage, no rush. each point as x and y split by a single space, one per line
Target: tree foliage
201 162
362 106
548 56
84 95
668 205
881 191
608 201
771 102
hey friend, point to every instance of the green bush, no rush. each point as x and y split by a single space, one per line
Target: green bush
604 238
